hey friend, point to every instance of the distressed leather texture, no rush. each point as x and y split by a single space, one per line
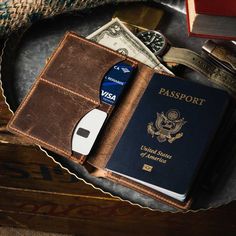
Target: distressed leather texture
66 90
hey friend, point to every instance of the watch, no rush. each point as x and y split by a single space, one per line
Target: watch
155 41
162 49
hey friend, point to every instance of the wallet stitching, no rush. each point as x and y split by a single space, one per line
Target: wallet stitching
70 91
28 135
79 160
41 141
82 159
109 109
41 79
102 159
25 101
54 54
145 190
134 63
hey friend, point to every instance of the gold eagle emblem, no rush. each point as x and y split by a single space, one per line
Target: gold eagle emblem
167 126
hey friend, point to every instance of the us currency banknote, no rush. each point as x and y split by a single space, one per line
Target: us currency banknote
117 36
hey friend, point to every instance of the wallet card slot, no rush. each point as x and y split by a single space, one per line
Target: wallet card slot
115 81
80 65
120 117
87 130
49 117
66 90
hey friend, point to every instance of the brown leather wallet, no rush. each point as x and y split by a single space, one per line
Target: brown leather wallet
66 90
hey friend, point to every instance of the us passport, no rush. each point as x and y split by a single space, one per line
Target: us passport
169 135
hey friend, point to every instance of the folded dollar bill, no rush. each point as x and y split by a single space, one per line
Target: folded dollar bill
117 36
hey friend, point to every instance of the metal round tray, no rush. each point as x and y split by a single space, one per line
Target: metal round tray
25 55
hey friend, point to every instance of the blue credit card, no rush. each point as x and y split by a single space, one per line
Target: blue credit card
115 81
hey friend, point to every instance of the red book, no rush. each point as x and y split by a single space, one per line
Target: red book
209 26
216 7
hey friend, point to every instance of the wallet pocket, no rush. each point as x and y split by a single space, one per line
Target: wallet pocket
80 66
49 116
66 90
118 121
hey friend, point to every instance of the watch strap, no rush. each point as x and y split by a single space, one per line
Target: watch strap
197 63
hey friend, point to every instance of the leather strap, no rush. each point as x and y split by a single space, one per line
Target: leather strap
220 55
196 62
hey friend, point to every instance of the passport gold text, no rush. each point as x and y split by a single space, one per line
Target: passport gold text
182 96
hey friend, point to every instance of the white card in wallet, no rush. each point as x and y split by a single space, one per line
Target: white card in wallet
87 131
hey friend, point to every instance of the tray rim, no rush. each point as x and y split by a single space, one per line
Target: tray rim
71 172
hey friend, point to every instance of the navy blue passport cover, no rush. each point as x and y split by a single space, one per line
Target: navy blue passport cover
169 133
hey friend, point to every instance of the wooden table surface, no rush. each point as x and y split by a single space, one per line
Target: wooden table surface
35 193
